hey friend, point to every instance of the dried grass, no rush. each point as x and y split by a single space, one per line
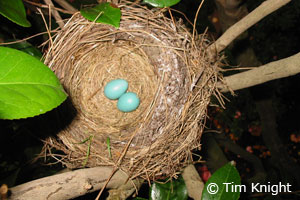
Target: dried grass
168 69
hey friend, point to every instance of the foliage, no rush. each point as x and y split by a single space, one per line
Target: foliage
161 3
172 190
279 38
27 87
226 174
105 13
27 48
14 11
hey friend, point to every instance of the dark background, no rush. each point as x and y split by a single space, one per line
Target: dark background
273 38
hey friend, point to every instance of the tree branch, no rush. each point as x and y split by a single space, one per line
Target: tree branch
271 71
252 18
68 185
126 190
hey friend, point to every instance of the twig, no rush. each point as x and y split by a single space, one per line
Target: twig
195 21
118 164
172 18
238 68
66 5
270 71
45 6
28 38
187 19
252 18
106 182
55 13
58 187
47 28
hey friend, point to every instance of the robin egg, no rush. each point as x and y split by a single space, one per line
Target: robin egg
115 88
128 102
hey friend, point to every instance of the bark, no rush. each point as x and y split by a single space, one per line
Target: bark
271 71
68 185
193 182
126 190
77 183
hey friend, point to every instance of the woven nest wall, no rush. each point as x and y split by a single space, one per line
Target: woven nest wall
163 63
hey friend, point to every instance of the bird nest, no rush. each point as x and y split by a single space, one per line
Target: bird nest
164 64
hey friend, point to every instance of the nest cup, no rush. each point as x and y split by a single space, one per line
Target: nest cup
164 64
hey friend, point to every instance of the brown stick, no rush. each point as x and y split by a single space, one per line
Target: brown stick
271 71
68 185
252 18
66 5
55 13
45 6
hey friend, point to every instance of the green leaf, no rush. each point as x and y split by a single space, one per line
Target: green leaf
161 3
27 86
14 10
219 185
27 48
172 190
103 13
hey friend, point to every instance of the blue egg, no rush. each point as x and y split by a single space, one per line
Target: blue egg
128 102
115 88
